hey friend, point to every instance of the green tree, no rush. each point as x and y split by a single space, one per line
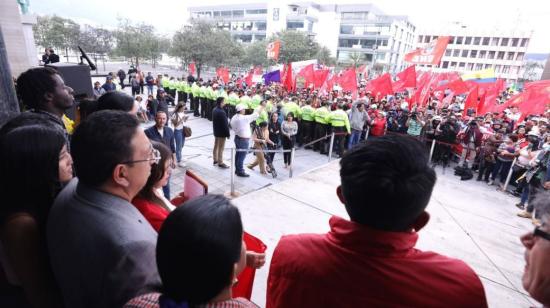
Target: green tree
155 45
57 32
130 40
96 41
295 46
324 56
355 58
255 54
204 44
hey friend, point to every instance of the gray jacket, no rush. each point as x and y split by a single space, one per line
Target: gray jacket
102 250
357 118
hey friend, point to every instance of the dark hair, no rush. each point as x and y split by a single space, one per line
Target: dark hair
115 100
219 100
542 203
157 170
178 107
386 182
29 169
33 84
198 245
290 114
101 142
86 107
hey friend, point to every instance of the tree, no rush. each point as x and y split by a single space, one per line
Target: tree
255 54
130 40
532 70
204 44
324 56
295 46
57 32
96 41
355 58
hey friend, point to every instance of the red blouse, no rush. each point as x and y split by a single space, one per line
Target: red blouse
154 213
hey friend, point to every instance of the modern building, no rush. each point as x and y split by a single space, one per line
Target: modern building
473 49
546 72
352 32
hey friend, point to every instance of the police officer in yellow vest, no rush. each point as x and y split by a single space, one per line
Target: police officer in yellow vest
195 89
321 127
339 122
307 114
179 89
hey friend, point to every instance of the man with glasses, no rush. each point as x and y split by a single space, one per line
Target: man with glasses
102 250
536 276
163 134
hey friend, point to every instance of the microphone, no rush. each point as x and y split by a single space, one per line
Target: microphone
84 56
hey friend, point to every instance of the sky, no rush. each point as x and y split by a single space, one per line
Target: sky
169 16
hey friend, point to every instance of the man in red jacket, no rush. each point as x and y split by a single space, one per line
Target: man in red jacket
371 261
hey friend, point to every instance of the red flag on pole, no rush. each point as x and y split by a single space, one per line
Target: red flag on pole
223 73
348 80
535 105
471 100
319 78
458 86
287 79
191 68
431 54
308 74
248 78
381 86
407 79
273 50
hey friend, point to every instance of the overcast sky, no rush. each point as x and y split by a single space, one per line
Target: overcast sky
169 15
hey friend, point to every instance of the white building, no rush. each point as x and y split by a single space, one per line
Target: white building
472 49
356 30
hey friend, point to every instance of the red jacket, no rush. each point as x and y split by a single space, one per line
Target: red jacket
154 213
356 266
378 127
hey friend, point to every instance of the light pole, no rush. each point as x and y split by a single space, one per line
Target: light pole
374 48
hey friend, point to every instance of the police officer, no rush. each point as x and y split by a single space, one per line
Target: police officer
307 115
321 127
339 123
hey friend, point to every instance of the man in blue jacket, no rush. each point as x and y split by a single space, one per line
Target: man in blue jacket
162 133
220 123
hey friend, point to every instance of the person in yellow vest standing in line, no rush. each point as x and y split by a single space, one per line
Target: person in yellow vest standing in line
321 127
195 89
307 115
339 123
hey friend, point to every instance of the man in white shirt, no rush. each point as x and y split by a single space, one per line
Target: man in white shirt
240 123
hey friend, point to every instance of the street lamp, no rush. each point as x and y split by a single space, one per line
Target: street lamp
374 48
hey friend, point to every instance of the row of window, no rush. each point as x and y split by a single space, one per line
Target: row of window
479 41
247 38
464 66
342 55
364 43
228 14
485 54
242 26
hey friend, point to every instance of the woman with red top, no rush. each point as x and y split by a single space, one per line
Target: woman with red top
378 127
150 201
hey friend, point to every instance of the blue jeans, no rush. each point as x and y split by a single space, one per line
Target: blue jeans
240 143
501 168
525 194
149 90
354 138
166 189
180 141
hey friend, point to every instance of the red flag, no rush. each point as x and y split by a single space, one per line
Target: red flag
471 100
457 86
273 50
348 80
364 70
248 78
319 78
223 73
535 105
407 79
431 54
308 74
191 68
481 105
288 83
381 86
423 93
329 84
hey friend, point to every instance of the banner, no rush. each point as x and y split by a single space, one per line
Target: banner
407 79
381 86
319 78
287 78
348 80
273 50
471 100
223 73
431 54
271 77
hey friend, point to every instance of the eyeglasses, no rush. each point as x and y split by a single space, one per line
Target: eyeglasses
540 233
154 156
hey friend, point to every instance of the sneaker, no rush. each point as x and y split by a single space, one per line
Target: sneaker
182 164
223 166
215 163
490 182
525 214
243 175
520 206
536 222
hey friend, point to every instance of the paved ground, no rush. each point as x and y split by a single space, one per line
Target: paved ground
469 220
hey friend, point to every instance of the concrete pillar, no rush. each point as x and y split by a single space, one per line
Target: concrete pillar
8 99
14 37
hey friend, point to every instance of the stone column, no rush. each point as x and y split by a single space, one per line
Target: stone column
8 99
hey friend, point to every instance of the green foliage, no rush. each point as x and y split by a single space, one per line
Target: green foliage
57 32
324 57
96 40
136 41
296 46
255 54
202 43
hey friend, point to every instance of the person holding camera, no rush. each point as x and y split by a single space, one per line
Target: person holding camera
414 125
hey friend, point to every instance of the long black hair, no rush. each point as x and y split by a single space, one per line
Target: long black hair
197 248
29 170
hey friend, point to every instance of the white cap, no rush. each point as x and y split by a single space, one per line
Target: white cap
240 107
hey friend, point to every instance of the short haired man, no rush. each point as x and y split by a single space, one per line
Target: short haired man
162 133
240 123
109 85
220 125
102 250
42 90
98 90
536 277
371 261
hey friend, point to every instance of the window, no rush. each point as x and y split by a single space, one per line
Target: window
260 37
354 15
500 55
504 41
487 66
494 41
515 42
468 40
217 13
510 56
524 42
461 64
383 43
348 43
448 52
482 54
486 41
226 13
519 56
477 40
479 66
445 64
256 12
261 25
346 29
245 38
498 68
293 25
427 39
505 69
453 64
465 53
381 56
473 54
491 54
456 53
459 40
238 13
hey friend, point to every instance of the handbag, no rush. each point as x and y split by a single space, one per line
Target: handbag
187 132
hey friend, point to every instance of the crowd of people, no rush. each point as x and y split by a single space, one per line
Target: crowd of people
105 233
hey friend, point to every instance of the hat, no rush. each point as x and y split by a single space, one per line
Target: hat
373 106
240 107
437 118
109 78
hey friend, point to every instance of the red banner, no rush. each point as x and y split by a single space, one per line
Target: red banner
286 78
407 79
191 68
431 54
471 100
273 50
348 80
320 76
381 86
223 73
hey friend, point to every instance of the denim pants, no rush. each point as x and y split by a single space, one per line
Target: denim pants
240 143
166 189
149 90
502 168
354 138
180 141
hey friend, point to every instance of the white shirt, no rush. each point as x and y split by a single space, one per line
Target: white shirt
240 124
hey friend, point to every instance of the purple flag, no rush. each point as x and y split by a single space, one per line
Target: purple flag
270 77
